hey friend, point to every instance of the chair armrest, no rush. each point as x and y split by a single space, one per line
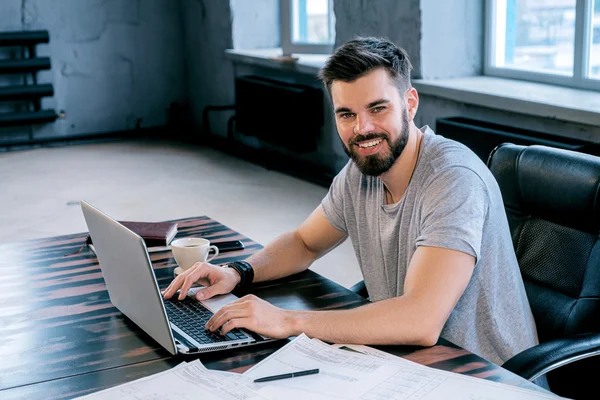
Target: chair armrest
543 358
361 289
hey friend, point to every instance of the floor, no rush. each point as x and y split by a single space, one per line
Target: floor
149 180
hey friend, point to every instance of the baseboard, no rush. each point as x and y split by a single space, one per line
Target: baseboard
272 160
142 133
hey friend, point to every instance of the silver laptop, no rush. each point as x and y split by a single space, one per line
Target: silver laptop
178 326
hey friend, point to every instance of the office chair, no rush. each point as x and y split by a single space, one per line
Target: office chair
552 201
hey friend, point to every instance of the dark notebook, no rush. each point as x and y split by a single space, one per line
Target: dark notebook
155 234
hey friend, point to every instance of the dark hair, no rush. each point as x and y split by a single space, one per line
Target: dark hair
358 57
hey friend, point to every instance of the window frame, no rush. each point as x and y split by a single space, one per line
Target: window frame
286 23
582 49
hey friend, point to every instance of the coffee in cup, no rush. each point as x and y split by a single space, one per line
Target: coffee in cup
189 251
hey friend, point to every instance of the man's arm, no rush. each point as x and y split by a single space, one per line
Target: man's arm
435 281
295 251
290 253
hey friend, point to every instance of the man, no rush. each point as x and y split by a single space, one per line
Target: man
426 220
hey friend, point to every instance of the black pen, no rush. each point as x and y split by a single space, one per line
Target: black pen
290 375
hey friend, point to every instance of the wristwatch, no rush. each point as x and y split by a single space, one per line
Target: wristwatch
244 269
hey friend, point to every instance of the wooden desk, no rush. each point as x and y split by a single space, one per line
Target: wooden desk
60 337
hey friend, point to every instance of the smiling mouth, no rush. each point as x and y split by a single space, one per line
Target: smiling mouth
369 144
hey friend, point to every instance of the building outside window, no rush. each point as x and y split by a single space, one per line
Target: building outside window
551 41
307 26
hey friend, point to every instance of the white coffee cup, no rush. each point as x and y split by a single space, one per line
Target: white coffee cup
189 251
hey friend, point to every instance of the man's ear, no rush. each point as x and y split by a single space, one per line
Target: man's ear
412 100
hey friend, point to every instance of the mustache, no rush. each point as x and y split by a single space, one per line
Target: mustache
368 136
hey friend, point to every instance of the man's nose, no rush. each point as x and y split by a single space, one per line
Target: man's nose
363 125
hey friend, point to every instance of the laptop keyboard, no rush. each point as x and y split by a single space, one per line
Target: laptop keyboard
191 316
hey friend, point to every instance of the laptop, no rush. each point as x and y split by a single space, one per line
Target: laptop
176 325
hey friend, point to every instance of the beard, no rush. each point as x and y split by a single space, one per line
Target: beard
375 165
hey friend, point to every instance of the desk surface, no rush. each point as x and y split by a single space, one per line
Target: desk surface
60 337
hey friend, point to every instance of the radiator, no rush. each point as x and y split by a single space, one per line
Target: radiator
281 113
482 137
26 98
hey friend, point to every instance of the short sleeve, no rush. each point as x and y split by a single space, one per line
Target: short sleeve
454 209
333 202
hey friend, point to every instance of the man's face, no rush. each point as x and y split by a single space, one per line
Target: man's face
372 120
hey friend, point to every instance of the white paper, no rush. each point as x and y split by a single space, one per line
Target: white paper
345 375
184 382
370 351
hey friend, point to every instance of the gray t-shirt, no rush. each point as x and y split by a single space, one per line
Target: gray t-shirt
452 201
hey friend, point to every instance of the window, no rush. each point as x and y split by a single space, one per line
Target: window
551 41
594 67
307 26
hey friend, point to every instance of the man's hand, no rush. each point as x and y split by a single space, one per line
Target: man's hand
218 280
254 314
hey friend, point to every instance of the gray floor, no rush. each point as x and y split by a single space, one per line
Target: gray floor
151 181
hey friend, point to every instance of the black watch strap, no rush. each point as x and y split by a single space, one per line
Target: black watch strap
244 269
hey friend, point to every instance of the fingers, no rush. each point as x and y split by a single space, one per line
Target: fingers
172 288
244 307
188 281
192 275
236 323
220 319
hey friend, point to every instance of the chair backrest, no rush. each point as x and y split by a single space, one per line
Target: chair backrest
552 201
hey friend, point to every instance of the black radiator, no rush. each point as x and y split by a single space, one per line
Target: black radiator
482 137
27 95
281 113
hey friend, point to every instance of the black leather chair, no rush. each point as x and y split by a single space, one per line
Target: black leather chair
552 201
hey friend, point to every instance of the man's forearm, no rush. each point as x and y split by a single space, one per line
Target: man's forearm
392 321
284 256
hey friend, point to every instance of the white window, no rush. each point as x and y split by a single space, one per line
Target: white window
551 41
307 26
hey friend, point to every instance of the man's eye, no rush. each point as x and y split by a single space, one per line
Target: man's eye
347 115
378 109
